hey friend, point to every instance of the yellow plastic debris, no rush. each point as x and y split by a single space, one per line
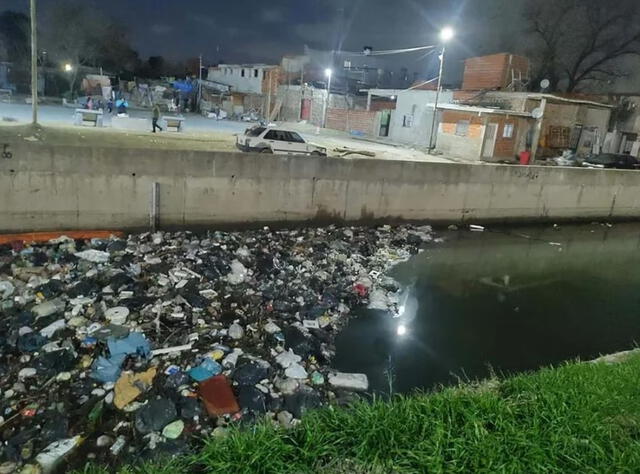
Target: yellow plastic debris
130 385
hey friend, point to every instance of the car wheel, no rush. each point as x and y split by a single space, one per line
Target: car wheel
266 150
316 153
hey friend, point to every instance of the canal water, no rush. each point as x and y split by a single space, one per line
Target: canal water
502 301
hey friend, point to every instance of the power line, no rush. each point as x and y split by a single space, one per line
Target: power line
388 51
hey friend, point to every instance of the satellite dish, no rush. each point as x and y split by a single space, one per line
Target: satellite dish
544 84
537 113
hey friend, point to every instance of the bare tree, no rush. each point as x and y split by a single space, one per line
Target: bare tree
72 37
579 42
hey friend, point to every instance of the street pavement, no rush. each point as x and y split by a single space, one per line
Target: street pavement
197 125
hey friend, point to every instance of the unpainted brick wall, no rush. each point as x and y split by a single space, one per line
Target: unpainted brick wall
450 119
352 120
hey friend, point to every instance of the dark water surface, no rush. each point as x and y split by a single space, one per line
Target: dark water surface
506 301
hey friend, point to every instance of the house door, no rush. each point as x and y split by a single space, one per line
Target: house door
385 121
490 135
305 109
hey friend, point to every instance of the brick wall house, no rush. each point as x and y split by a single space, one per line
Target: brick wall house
353 121
483 134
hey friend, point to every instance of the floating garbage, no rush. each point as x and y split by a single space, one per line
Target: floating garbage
160 338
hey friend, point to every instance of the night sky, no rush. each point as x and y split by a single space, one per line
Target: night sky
234 31
263 31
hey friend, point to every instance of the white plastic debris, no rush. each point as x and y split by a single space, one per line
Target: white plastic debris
358 382
6 289
287 358
103 441
236 331
378 300
311 324
238 273
48 307
92 255
287 386
52 328
118 445
230 361
476 228
271 328
55 452
296 371
171 350
117 315
26 373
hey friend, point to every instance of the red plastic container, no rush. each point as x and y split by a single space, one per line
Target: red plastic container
525 157
218 397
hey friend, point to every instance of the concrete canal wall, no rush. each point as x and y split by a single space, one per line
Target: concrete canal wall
56 187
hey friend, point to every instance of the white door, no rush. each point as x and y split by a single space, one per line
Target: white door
490 135
297 144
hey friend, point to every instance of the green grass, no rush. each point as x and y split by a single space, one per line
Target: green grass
574 418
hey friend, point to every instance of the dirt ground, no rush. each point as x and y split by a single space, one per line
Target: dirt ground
211 140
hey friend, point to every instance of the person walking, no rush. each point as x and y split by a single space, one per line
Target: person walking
156 117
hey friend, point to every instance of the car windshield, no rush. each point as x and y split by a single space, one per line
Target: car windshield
254 132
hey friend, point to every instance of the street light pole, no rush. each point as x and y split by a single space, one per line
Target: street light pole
328 72
435 106
200 83
446 34
34 64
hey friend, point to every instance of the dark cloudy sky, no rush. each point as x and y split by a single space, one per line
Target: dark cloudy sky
252 30
263 31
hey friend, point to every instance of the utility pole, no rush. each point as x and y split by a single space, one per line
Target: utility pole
200 82
435 107
34 64
446 34
270 73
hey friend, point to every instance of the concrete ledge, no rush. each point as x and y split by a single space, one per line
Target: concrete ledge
55 187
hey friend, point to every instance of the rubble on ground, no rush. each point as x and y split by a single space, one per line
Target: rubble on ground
121 349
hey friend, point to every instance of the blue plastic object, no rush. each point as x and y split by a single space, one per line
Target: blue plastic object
134 343
207 369
107 370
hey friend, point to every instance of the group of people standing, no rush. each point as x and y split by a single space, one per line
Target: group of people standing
121 106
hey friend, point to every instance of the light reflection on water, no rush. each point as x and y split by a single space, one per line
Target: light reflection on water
505 302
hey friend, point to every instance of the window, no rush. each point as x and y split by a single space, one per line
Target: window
279 135
462 128
254 132
242 73
255 73
294 137
407 120
558 137
507 132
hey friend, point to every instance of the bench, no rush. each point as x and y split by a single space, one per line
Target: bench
174 122
93 118
5 95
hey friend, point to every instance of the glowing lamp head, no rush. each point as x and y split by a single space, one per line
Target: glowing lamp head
446 34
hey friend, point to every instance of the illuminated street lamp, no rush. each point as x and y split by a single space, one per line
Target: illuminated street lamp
328 73
446 35
68 67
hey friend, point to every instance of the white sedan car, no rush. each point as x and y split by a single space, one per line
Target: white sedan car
276 140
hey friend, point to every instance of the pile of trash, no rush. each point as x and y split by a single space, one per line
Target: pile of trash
120 349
